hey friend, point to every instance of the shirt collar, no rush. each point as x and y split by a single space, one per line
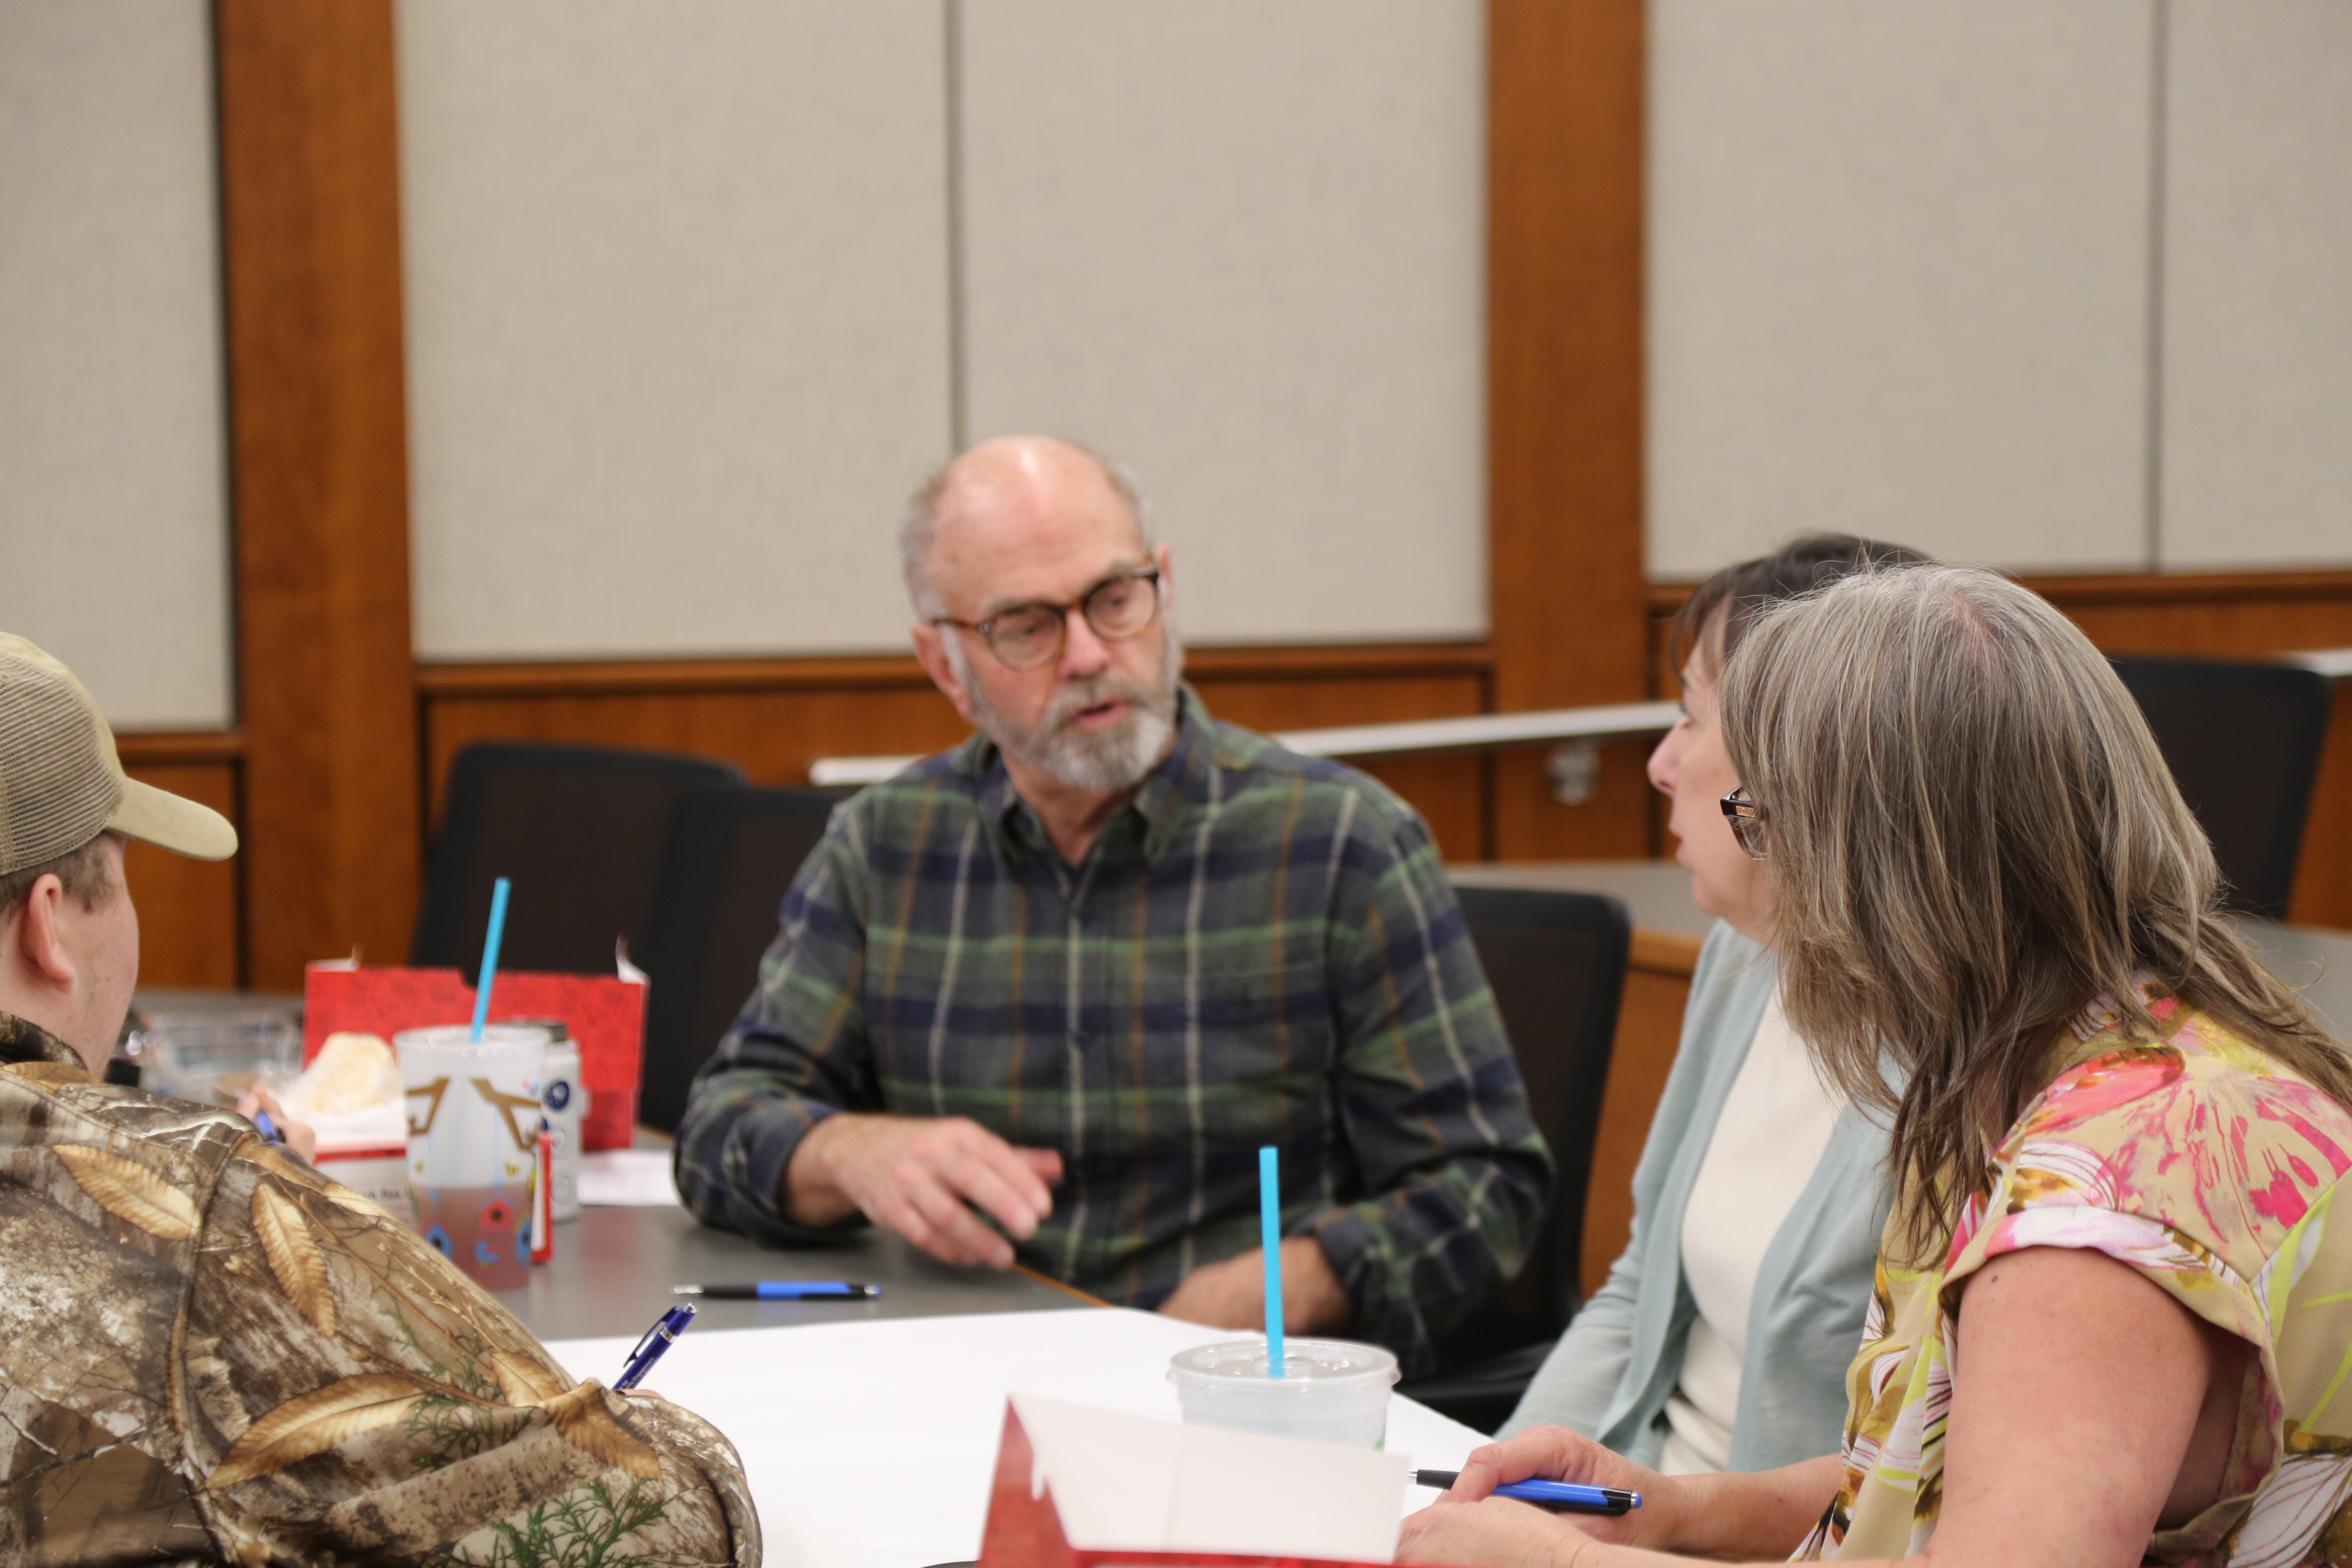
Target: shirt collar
22 1042
1176 779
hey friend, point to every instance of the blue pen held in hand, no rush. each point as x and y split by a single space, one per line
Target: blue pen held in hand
658 1339
782 1290
1561 1497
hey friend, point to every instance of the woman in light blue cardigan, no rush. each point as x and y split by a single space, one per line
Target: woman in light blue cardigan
1631 1371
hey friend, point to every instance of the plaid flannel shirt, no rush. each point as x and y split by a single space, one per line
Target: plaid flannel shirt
1260 948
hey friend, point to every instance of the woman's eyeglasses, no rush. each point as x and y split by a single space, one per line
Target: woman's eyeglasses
1747 819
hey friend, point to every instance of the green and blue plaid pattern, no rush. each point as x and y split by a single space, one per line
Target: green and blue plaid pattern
1261 948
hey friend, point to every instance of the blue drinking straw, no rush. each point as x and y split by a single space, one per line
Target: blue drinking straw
489 957
1269 1224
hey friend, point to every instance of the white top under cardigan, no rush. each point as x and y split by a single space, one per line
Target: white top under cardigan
1612 1373
1766 1145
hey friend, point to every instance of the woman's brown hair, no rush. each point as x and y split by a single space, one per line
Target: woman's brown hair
1971 837
1739 590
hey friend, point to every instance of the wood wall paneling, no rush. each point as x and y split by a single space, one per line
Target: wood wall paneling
310 194
774 717
189 911
1565 103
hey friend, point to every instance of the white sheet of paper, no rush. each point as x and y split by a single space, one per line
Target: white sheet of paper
1130 1483
874 1445
627 1178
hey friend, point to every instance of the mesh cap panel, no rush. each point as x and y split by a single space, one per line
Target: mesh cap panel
55 790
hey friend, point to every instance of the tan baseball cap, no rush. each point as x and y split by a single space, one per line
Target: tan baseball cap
60 783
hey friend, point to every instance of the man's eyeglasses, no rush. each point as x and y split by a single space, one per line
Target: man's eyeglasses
1026 636
1747 819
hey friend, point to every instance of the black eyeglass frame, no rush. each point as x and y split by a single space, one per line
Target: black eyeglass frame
1081 604
1747 819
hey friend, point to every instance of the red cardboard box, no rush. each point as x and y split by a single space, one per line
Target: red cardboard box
605 1015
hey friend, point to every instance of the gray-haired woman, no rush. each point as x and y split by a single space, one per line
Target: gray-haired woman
2113 1317
1720 1339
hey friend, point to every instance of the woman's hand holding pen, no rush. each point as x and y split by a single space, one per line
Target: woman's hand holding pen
1467 1525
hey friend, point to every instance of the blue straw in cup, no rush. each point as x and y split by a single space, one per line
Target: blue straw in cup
489 958
1269 1224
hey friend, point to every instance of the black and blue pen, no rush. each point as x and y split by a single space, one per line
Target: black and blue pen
1563 1497
782 1290
266 1127
658 1337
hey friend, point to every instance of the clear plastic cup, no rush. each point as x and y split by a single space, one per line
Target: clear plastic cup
473 1142
1330 1391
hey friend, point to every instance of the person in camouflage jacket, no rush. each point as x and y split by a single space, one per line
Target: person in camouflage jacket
209 1354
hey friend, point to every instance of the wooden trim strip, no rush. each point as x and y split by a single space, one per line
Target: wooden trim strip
309 167
1565 88
1057 1284
606 677
2131 588
164 748
1663 953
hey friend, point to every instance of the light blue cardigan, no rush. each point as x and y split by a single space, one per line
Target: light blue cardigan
1611 1374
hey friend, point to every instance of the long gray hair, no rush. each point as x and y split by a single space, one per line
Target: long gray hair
1969 836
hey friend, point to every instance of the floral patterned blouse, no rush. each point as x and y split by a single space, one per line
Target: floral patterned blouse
2203 1165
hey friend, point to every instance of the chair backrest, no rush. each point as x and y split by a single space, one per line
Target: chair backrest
2243 743
730 855
1556 961
579 831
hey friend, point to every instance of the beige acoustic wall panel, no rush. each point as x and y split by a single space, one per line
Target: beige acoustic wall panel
2257 378
1241 246
677 288
1899 277
113 516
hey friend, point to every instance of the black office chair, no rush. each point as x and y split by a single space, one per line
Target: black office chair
730 854
577 829
2243 743
1557 964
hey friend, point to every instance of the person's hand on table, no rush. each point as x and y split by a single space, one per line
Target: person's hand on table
1231 1294
1467 1525
923 1177
299 1135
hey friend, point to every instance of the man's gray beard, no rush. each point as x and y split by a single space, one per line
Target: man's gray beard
1102 761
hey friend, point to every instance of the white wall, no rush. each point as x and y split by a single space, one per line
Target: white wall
680 281
1970 274
113 521
678 320
2258 286
1898 278
1242 246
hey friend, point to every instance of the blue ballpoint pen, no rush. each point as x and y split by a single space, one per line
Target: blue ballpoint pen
1567 1497
782 1291
266 1127
658 1337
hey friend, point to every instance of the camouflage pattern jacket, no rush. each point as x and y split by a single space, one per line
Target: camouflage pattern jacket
211 1354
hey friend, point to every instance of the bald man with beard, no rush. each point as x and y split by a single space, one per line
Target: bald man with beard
1041 997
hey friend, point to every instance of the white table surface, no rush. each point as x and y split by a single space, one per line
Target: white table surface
874 1445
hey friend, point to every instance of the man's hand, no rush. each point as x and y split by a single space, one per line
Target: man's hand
299 1135
1231 1294
922 1178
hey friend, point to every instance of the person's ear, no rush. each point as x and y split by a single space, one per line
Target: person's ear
39 932
1167 580
931 651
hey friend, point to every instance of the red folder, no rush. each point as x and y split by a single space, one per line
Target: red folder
605 1014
